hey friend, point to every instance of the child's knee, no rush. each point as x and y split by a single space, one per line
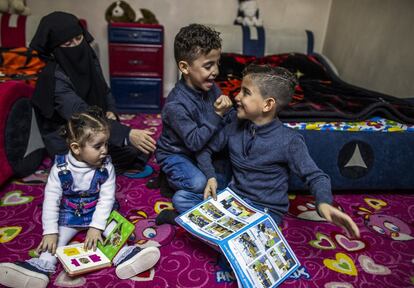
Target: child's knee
198 183
180 200
184 200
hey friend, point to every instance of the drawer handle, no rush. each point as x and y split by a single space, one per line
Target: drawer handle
135 62
135 95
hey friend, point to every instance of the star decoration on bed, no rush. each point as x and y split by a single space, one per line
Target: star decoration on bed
298 74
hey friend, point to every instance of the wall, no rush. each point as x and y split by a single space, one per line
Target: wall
173 14
371 43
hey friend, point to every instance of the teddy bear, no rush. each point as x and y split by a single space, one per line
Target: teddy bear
120 11
14 7
146 17
248 14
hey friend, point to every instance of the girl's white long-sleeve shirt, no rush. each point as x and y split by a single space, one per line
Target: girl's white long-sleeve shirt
82 175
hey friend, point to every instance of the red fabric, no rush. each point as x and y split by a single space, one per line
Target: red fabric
83 23
10 92
13 36
127 24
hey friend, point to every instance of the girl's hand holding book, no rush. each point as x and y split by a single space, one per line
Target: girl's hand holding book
92 237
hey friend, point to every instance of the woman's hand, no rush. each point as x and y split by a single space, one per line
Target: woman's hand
92 237
142 140
339 218
111 115
211 189
48 243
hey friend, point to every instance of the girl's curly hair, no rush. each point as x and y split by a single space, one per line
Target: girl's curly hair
82 126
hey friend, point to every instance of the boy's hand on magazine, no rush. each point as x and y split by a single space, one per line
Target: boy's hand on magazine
92 237
222 105
48 243
211 189
339 218
142 140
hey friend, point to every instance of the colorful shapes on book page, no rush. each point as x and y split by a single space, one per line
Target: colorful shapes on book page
369 266
71 251
7 234
95 258
14 198
322 242
64 280
342 264
84 260
75 262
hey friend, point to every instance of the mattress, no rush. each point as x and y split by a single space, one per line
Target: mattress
375 154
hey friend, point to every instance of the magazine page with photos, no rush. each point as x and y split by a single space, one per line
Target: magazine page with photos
215 220
260 255
249 238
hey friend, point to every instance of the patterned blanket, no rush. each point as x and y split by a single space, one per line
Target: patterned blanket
320 95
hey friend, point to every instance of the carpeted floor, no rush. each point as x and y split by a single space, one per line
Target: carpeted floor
383 257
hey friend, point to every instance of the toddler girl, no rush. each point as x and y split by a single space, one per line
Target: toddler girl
79 195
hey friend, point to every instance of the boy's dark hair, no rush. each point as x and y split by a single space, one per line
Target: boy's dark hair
195 40
275 82
82 126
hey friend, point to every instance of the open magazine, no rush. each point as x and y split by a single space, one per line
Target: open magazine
250 239
77 260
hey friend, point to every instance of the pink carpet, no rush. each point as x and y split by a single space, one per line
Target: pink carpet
383 257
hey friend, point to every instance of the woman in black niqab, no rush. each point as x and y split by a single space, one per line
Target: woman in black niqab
87 87
79 62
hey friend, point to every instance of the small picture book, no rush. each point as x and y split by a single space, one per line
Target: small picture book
250 239
77 260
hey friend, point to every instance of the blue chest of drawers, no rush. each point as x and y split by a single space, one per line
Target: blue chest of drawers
136 58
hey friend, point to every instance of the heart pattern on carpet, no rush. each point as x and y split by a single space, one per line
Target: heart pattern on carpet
7 234
322 242
350 245
338 285
64 280
342 264
369 266
14 198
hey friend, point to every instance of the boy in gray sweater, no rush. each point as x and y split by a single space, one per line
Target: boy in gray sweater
263 152
194 111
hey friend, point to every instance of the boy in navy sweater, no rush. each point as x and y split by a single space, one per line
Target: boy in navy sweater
263 152
194 110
